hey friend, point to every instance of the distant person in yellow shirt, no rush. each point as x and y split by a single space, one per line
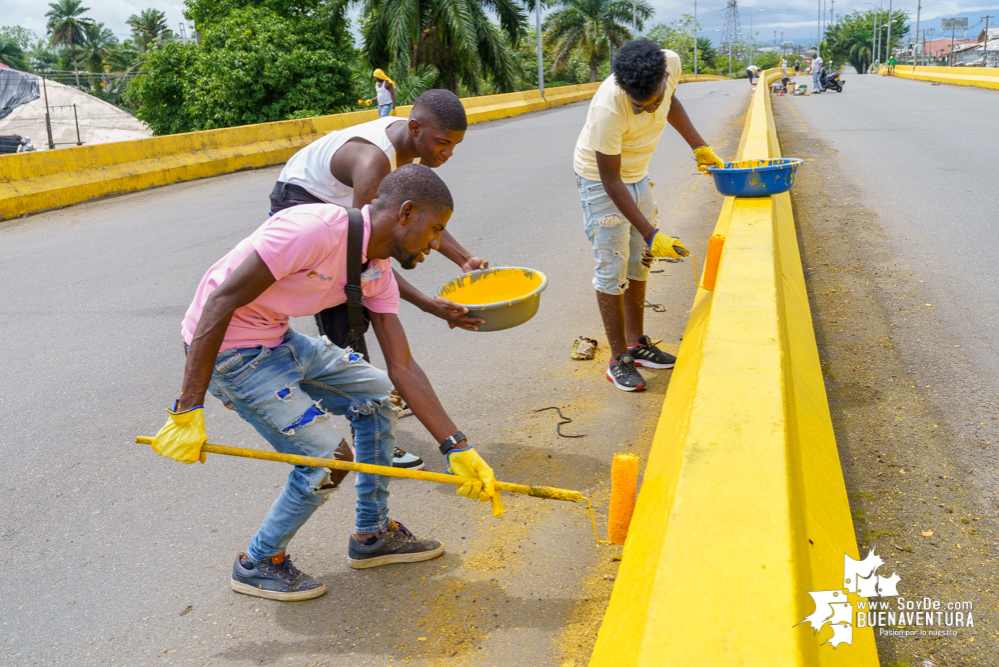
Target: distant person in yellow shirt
625 121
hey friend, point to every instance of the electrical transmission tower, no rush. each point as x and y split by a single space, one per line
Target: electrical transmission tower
730 33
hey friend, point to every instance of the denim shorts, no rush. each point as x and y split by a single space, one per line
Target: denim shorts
618 248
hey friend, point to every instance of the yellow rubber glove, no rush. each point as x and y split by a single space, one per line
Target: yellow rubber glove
467 463
666 246
181 437
706 158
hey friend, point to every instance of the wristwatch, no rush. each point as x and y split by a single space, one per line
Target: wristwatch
452 442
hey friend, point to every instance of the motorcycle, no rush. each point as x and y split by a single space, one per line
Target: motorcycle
833 82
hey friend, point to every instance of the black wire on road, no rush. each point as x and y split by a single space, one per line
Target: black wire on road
565 420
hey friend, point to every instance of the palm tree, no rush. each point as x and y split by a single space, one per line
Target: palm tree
67 26
454 36
99 42
125 58
11 53
147 26
593 27
860 50
706 51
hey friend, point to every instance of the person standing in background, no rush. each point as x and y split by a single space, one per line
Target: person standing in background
385 93
816 73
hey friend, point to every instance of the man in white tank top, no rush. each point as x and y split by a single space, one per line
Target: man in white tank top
346 167
384 93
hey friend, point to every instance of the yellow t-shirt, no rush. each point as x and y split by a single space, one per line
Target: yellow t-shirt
613 128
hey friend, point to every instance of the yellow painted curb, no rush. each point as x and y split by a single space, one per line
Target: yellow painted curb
743 508
979 77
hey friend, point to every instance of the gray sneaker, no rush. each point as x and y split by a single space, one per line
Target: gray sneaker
274 578
394 544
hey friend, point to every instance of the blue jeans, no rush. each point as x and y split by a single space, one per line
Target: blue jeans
287 394
816 85
384 110
618 248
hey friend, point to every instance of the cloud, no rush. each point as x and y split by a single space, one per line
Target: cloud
112 13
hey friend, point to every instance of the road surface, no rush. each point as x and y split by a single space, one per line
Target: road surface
896 210
115 556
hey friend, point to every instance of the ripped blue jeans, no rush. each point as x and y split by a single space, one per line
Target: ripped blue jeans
286 394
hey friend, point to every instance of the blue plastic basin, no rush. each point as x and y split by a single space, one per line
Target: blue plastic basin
755 178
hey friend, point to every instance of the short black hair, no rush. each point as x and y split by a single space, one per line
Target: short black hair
444 107
416 183
640 68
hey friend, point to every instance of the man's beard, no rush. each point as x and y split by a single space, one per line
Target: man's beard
410 261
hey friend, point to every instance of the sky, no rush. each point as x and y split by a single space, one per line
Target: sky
795 18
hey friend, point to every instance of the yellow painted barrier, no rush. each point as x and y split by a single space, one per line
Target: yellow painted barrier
33 182
743 508
980 77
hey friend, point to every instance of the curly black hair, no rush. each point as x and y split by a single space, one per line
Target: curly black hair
442 106
416 183
640 67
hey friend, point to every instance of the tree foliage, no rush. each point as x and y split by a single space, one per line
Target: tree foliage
679 37
97 44
852 38
148 25
158 91
11 53
454 36
22 37
252 66
591 27
66 23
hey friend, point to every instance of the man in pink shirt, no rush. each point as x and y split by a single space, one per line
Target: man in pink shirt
285 384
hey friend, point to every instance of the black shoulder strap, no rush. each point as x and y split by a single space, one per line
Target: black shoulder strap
355 308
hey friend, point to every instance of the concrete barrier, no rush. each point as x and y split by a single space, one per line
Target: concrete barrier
980 77
743 508
33 182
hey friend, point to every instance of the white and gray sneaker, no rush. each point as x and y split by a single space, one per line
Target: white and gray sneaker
622 372
407 460
647 355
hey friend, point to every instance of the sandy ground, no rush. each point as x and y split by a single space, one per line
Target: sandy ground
908 470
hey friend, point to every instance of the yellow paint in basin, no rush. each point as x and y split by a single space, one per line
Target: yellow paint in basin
493 287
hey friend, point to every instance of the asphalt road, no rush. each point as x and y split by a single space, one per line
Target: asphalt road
895 208
921 158
115 556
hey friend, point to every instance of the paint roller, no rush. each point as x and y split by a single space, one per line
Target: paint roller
619 507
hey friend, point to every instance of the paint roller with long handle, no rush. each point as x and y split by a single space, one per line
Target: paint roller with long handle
550 492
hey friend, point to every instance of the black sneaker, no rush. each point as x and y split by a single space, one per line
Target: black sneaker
274 578
647 355
394 544
622 372
401 459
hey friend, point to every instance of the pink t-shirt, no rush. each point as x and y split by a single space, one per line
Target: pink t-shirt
305 248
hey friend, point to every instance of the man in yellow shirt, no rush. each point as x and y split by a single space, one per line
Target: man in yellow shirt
625 121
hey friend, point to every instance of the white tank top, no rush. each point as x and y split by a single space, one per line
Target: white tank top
310 167
384 95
